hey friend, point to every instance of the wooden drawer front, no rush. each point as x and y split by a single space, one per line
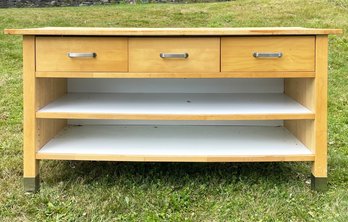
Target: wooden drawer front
297 53
203 54
111 54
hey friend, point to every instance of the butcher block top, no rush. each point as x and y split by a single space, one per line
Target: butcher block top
171 31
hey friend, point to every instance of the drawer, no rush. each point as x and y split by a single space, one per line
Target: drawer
98 54
284 53
166 54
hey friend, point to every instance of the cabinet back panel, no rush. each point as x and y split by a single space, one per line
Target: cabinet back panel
176 122
176 85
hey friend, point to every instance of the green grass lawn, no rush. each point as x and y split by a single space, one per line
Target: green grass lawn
107 191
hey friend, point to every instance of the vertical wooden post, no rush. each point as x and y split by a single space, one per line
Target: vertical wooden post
31 164
319 169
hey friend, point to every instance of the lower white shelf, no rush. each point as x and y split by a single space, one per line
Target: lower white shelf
176 143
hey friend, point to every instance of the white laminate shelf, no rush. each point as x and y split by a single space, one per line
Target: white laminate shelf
176 106
176 143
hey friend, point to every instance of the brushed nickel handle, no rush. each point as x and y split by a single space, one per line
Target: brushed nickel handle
267 54
82 54
174 55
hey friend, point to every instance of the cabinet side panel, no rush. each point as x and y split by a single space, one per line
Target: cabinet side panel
313 94
301 90
47 129
303 130
49 90
37 93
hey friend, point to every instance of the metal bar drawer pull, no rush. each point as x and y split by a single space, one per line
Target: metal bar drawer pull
174 55
267 54
82 54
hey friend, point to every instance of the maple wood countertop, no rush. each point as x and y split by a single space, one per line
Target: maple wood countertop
171 31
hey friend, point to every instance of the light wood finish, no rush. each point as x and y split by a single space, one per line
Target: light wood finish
213 53
144 54
47 129
37 93
301 90
49 90
320 124
31 164
303 130
175 74
171 31
52 54
298 53
313 133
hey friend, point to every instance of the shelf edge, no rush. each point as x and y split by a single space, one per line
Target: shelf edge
137 158
124 116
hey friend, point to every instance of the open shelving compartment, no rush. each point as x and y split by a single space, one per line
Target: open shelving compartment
193 120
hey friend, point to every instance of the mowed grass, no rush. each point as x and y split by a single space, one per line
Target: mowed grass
107 191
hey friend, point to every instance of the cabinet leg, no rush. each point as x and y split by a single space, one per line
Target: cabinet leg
319 183
31 184
31 178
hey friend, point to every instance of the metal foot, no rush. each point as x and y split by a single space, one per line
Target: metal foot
31 184
319 183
